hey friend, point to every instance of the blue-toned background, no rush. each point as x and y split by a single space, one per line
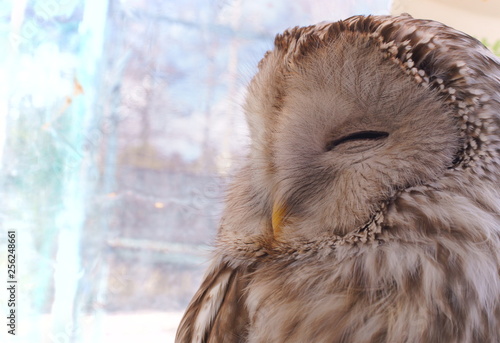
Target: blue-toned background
120 123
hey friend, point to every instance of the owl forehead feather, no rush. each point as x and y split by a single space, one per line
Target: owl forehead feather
464 74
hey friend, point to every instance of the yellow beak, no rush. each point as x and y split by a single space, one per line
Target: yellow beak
278 218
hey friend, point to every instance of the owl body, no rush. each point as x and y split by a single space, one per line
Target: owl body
369 206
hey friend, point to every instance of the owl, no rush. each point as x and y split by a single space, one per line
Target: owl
368 208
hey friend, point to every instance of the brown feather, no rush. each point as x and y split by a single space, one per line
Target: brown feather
389 237
228 316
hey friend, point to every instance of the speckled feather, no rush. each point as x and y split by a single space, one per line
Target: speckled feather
396 241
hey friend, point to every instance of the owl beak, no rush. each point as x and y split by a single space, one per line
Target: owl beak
278 218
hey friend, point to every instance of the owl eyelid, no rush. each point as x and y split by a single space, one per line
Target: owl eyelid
360 135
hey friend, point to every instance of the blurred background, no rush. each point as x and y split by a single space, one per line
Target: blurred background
120 127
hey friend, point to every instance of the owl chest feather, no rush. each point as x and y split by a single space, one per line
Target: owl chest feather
418 271
395 292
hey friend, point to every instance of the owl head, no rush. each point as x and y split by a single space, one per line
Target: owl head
343 116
